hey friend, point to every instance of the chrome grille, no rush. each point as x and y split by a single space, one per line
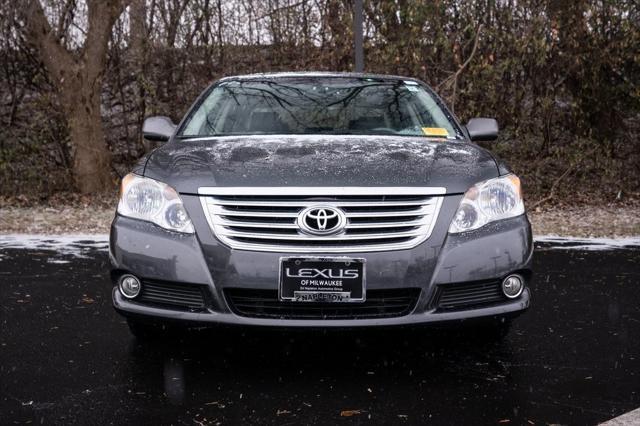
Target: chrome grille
265 218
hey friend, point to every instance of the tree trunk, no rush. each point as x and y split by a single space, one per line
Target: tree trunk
92 158
77 75
139 46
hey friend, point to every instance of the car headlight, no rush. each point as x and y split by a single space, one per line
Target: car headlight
147 199
488 201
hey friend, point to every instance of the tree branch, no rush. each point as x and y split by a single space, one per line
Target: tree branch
102 16
63 25
555 184
38 33
455 75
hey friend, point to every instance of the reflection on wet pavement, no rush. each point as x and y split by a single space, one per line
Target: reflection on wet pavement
65 356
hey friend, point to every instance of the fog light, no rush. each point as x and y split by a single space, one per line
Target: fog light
512 286
129 286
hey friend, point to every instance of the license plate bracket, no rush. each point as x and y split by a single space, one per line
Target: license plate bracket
322 280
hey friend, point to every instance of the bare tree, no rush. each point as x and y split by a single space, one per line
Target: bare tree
77 75
537 66
138 44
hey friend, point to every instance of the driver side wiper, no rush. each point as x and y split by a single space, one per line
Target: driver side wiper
187 137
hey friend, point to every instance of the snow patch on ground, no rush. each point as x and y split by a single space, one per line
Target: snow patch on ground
74 245
592 244
58 261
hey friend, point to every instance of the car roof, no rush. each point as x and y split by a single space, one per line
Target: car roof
276 75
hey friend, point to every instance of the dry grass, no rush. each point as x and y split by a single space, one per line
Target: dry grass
587 221
50 220
65 213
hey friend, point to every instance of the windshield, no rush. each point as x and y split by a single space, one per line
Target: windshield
319 105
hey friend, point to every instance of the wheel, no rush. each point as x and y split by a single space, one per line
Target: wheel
497 330
144 330
502 328
489 332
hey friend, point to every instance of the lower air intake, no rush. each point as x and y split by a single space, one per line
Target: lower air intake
265 304
172 295
469 295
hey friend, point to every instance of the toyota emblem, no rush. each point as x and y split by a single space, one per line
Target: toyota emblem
322 220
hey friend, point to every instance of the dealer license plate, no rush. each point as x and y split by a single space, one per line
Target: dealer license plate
322 280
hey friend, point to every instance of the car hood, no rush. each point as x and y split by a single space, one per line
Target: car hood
309 160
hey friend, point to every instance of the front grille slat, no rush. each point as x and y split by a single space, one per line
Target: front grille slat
419 212
297 237
382 225
468 295
378 304
470 300
171 298
293 203
266 219
228 212
256 224
174 295
173 291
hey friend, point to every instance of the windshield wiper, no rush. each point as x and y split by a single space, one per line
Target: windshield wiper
186 137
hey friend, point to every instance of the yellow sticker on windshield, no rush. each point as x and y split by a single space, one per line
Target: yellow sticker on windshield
435 131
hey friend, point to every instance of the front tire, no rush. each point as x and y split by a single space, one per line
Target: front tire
498 330
489 332
145 331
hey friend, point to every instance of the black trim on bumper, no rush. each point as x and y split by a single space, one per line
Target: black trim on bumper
265 304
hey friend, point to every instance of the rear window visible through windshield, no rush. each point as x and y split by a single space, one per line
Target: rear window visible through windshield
318 106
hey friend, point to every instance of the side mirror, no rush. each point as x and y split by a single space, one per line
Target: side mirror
158 129
482 129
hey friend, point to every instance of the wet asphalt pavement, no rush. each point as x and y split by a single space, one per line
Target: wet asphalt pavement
67 357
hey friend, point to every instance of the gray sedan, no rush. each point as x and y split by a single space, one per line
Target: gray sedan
319 200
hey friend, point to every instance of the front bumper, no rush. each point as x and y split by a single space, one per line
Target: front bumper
485 255
130 309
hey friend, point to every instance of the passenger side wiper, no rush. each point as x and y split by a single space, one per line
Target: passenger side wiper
187 137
